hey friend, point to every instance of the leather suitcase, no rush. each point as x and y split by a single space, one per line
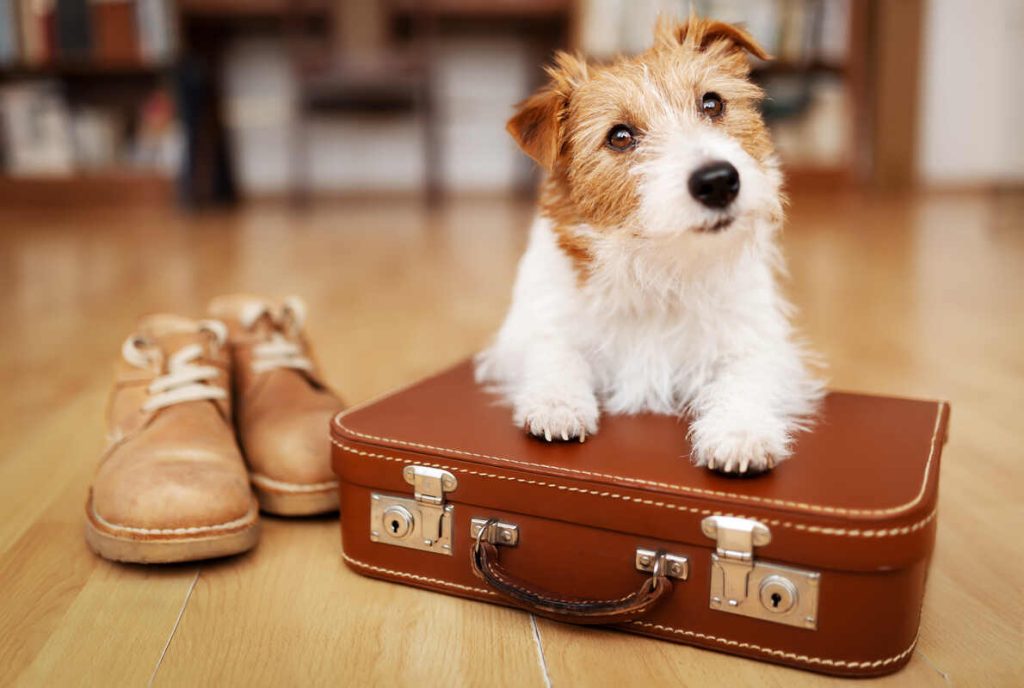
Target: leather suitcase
820 564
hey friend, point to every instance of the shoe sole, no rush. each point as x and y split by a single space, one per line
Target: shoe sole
170 545
294 499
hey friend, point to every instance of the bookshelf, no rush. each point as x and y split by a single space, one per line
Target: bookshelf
336 51
84 68
812 67
173 73
87 106
817 104
823 87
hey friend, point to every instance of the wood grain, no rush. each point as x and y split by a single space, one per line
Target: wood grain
340 628
908 295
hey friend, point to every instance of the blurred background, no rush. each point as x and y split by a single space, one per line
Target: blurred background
200 102
157 153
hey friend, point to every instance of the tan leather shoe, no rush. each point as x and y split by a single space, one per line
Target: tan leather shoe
282 407
172 485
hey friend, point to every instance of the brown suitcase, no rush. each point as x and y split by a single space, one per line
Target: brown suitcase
820 564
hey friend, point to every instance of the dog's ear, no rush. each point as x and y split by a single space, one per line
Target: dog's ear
539 121
700 33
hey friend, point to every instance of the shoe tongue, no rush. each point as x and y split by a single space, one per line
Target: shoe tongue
170 332
240 306
244 311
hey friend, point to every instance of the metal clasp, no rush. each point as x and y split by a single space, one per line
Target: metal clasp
662 563
429 486
494 531
423 522
734 554
783 594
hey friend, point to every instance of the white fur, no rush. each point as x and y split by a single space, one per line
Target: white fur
670 319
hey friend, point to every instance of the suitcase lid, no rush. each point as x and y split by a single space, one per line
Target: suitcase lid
859 492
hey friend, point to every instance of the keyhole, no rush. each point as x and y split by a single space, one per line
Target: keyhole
776 599
395 525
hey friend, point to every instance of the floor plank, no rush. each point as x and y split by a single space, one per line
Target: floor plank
291 613
69 618
615 659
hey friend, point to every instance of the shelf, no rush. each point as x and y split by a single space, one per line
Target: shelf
799 176
102 187
453 9
781 67
85 69
252 9
484 9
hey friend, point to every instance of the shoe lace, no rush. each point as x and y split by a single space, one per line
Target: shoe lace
185 380
281 349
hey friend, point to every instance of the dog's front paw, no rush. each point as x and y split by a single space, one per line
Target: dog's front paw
555 418
738 450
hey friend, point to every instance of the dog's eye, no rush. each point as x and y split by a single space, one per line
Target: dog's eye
621 138
711 105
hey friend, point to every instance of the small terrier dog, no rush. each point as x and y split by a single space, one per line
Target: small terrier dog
649 280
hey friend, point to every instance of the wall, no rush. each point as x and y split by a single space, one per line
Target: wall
972 105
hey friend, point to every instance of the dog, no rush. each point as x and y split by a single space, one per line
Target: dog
649 283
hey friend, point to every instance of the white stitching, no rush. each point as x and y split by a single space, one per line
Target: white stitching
660 627
191 530
780 653
683 488
413 576
822 530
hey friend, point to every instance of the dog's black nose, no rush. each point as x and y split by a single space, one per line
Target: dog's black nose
716 184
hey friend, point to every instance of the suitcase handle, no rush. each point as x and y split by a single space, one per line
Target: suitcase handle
484 559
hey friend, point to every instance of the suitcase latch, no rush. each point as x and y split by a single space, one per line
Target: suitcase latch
495 532
762 590
423 522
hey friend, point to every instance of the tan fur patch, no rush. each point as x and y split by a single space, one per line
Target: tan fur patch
564 127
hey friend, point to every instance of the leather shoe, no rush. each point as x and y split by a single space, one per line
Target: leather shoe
172 484
282 406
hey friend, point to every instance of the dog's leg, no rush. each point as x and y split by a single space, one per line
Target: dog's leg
746 417
555 398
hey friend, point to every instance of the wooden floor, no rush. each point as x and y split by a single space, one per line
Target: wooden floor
910 296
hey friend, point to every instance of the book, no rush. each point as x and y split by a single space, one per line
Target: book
34 43
157 30
835 32
115 32
761 19
9 50
159 141
97 138
793 31
74 37
36 128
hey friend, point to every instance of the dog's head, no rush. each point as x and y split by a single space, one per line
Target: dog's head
668 142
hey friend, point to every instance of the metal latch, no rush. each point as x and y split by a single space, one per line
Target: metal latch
662 563
423 522
733 559
497 532
783 594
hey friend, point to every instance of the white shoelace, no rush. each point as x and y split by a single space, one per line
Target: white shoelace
278 351
185 380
